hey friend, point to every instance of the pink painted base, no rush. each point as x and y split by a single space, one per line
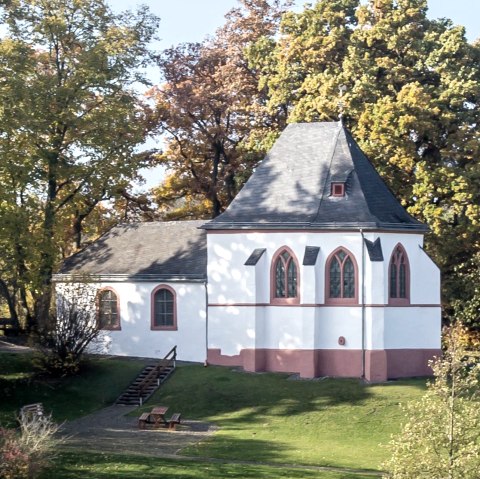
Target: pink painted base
407 363
380 365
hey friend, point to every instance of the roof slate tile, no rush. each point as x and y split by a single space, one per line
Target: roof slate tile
291 187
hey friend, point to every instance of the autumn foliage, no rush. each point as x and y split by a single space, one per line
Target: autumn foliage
73 120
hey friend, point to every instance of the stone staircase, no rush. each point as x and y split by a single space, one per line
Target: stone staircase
149 380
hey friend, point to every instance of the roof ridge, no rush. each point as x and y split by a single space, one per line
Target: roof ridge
327 176
158 222
348 139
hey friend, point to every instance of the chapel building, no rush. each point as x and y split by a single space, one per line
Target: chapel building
315 268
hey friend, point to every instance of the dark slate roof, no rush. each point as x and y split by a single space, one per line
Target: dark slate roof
159 251
310 256
374 248
291 187
255 256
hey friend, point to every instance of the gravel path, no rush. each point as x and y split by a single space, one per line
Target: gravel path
110 430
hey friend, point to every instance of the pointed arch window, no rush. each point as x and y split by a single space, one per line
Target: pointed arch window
341 278
399 277
284 278
164 308
108 310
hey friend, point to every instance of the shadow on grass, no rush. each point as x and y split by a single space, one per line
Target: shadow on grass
97 385
206 393
247 396
100 466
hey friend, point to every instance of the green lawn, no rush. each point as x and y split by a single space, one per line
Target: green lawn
100 466
264 418
268 418
98 384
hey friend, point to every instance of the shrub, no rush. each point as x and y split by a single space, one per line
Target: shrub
24 453
441 436
71 330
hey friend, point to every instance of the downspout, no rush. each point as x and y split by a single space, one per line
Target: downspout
205 284
363 303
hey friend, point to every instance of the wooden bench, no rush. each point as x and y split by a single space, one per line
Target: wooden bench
174 420
8 326
30 412
143 420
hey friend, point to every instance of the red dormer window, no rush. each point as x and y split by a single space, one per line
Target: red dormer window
338 189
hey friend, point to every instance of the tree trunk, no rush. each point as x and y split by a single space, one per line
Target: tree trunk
5 292
42 306
216 205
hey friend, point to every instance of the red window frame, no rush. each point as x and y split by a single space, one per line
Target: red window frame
336 256
398 283
338 189
286 262
155 327
114 326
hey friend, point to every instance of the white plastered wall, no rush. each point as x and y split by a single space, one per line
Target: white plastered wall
240 316
136 338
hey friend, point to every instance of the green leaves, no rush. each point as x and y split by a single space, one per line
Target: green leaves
71 118
412 102
441 435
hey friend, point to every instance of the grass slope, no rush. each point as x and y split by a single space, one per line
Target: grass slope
100 466
97 385
262 417
268 418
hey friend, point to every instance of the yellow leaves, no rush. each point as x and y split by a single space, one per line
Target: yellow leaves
441 436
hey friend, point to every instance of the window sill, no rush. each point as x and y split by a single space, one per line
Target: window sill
283 301
341 301
399 302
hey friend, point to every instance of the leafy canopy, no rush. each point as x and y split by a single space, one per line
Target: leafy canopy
71 120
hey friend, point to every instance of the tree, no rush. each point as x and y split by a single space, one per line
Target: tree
207 107
71 119
412 102
441 436
71 331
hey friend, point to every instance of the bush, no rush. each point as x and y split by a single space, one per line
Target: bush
441 436
24 453
71 330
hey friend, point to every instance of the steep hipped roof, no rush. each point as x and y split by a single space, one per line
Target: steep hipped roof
160 251
291 187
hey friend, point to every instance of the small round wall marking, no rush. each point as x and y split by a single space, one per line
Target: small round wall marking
341 341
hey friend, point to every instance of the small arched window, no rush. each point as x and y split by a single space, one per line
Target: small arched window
399 277
108 311
164 308
284 278
341 277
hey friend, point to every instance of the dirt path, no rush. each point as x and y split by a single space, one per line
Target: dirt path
10 347
110 430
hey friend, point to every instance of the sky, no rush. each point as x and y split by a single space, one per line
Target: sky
192 20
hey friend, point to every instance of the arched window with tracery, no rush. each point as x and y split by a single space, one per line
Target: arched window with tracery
285 277
108 310
164 308
341 278
399 277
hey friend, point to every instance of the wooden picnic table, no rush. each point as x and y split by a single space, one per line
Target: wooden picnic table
157 416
